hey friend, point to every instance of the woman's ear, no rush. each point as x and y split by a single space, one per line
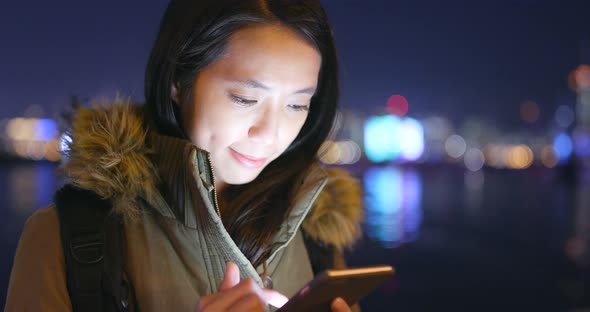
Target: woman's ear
174 94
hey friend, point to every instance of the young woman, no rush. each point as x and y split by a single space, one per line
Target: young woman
216 177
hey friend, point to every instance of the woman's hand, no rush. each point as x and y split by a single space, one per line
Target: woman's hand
234 295
339 305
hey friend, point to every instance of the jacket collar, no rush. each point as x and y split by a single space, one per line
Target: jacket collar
111 154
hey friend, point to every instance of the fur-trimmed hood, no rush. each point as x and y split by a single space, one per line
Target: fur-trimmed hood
109 155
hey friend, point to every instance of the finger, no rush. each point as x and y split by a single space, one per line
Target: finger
339 305
222 300
231 277
249 302
274 298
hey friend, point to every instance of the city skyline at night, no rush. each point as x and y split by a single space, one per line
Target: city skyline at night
458 59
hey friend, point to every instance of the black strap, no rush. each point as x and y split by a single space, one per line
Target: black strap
320 255
92 243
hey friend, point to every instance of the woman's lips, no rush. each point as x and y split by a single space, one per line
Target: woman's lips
246 160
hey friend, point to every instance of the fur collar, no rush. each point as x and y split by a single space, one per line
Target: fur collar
108 154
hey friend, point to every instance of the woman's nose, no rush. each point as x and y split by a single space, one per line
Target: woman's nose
265 129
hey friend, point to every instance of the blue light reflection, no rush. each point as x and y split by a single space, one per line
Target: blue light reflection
393 200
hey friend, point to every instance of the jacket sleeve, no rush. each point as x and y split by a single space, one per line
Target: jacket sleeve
37 280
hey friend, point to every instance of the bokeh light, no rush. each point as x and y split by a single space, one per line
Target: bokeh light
563 146
20 129
582 76
549 157
564 116
474 159
437 128
530 111
32 138
330 153
393 205
520 157
495 155
340 153
581 143
35 150
380 141
45 129
397 105
455 146
411 139
350 152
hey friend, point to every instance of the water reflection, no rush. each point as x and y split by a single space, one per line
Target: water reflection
393 199
578 245
30 186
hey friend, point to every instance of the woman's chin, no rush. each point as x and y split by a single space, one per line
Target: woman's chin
240 178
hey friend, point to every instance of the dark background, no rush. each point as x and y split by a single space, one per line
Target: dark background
456 58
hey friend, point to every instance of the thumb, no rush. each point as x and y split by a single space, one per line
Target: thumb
231 278
274 298
339 305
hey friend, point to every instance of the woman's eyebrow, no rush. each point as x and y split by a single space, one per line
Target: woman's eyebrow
255 84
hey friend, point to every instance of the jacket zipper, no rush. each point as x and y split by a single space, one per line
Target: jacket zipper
212 174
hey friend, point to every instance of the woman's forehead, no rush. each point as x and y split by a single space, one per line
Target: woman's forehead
270 55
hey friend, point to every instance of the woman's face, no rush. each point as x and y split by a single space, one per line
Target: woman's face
249 105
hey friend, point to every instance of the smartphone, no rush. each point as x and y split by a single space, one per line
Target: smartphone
349 284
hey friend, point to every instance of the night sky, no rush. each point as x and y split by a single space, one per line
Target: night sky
455 58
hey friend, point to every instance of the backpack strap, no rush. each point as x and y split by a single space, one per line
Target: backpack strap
320 254
92 243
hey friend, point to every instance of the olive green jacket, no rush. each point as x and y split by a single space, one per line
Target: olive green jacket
173 253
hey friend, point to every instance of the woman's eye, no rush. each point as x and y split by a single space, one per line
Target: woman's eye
296 107
242 101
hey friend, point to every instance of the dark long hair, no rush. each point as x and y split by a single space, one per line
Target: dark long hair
192 35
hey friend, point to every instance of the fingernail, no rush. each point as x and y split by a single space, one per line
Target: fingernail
338 301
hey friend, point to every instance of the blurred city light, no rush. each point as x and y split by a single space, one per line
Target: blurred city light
530 111
393 200
411 139
45 129
381 143
52 150
32 138
437 128
350 151
495 155
330 153
520 157
389 138
397 105
386 138
20 129
549 157
455 146
30 187
564 116
582 76
340 153
474 159
563 146
581 143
